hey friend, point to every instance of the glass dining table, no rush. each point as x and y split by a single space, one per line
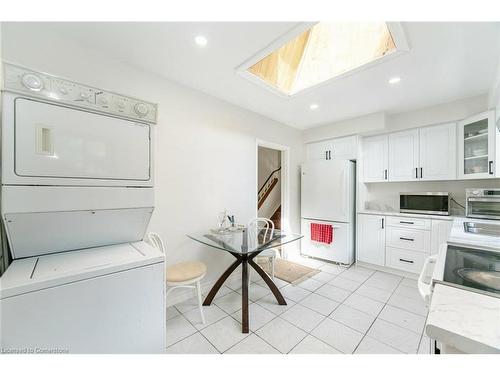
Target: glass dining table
244 245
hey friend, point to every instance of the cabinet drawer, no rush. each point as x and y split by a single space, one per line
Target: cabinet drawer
409 239
409 222
404 260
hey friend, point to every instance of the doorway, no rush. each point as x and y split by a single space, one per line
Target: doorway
269 183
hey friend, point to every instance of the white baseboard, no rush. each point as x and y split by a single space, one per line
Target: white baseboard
389 270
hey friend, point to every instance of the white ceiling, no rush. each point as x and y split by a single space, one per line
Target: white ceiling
447 61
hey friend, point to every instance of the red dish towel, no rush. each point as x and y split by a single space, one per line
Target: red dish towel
322 233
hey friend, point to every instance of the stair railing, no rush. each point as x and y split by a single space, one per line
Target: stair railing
267 187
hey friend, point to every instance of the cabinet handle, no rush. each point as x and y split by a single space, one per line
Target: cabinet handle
405 260
416 172
329 155
406 222
406 239
421 172
385 174
382 223
326 155
490 164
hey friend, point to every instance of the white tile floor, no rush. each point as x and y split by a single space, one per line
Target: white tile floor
355 310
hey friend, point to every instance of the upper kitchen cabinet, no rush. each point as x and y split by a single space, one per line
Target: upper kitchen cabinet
319 151
438 152
345 148
404 156
338 148
478 146
375 159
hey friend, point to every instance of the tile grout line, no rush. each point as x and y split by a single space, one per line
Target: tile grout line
279 315
385 304
374 320
231 345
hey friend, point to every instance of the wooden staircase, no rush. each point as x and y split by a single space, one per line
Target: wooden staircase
276 218
267 191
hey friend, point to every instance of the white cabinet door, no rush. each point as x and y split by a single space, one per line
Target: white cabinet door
478 142
404 156
438 152
439 234
344 148
375 158
318 151
371 239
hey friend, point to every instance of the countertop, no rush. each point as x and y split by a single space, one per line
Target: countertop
468 321
464 319
460 237
397 213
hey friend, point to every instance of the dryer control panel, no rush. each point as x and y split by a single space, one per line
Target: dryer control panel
22 80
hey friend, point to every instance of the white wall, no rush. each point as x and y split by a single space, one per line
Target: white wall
359 125
446 112
378 123
205 150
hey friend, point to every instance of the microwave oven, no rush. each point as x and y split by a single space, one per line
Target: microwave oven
430 203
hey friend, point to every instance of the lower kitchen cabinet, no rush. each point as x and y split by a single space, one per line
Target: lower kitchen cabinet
399 242
409 239
371 239
440 231
405 260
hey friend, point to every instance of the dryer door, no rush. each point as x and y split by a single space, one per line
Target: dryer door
63 143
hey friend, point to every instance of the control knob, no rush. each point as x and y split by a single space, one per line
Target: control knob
84 95
32 82
141 109
103 100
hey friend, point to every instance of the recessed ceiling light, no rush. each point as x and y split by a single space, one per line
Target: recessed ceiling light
394 80
201 40
314 106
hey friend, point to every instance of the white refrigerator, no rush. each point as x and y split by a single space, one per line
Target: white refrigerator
328 197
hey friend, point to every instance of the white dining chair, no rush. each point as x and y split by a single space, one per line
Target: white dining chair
181 275
268 255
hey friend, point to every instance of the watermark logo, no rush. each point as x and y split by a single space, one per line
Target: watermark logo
34 351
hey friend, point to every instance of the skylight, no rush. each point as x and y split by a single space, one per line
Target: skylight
325 51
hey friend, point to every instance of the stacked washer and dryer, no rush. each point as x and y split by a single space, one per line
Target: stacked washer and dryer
76 200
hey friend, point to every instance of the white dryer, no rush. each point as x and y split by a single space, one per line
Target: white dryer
76 199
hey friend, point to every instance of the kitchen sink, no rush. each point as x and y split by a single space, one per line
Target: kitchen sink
482 228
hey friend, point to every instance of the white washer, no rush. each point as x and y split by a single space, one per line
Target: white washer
77 197
101 300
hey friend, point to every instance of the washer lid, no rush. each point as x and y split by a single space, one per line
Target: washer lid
36 273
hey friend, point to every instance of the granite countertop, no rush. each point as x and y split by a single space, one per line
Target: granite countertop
466 320
460 237
397 213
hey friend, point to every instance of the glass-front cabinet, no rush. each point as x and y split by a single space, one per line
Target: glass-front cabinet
478 143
